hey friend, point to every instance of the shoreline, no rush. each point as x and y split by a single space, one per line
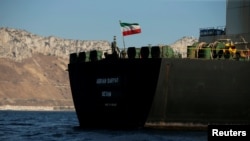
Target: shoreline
36 108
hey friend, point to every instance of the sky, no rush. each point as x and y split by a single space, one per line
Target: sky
161 21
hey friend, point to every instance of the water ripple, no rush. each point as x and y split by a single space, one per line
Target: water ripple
63 126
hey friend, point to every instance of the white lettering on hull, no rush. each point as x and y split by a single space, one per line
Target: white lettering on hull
110 104
106 93
111 80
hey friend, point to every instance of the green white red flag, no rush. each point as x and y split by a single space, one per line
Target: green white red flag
130 28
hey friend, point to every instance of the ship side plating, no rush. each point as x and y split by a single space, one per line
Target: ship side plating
208 92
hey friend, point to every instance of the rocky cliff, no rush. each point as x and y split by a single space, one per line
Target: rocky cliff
180 46
19 44
33 68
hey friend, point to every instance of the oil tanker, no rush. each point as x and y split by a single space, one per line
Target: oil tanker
146 85
127 92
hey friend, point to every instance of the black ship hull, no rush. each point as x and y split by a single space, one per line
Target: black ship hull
129 92
202 91
114 94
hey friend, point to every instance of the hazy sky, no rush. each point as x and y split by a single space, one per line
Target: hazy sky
161 21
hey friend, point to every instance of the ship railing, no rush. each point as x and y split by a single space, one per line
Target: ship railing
197 51
212 31
227 53
151 52
89 56
144 52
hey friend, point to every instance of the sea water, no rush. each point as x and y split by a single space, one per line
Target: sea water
64 126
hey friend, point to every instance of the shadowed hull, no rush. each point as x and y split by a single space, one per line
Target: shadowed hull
129 92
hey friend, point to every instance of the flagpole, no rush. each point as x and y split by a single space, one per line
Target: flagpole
124 47
123 38
123 42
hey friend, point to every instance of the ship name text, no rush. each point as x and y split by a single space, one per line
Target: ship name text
106 93
104 81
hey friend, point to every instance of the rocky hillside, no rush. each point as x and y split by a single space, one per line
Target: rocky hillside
180 46
38 80
19 44
33 68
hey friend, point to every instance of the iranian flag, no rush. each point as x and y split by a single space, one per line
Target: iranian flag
130 28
